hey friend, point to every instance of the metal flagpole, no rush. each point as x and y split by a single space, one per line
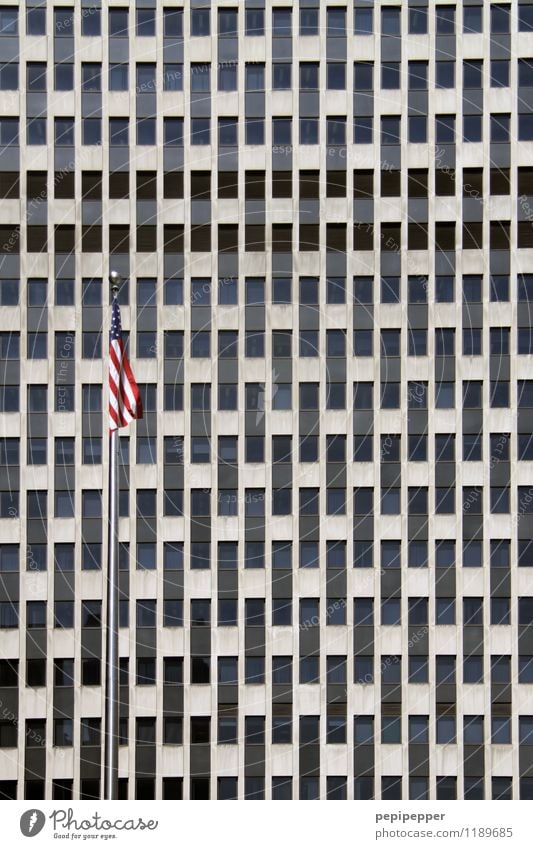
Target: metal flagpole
111 679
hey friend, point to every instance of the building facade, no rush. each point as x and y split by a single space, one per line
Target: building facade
322 215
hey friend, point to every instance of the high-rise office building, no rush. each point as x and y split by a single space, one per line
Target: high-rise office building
322 213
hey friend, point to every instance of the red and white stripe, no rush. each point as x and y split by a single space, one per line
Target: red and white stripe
125 402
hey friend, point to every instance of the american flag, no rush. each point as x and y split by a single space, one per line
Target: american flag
125 402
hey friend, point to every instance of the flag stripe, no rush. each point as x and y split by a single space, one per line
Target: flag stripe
125 402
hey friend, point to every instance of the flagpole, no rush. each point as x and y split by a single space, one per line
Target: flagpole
111 670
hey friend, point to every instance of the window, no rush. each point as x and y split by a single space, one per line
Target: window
390 129
445 129
445 20
146 131
445 729
145 20
90 21
281 555
35 76
9 131
390 20
227 729
336 76
200 22
227 609
9 20
473 73
36 131
200 77
362 130
173 132
91 77
36 21
390 75
64 76
281 22
173 555
91 131
254 670
363 21
145 731
118 77
281 76
472 19
254 22
363 76
172 730
499 127
417 75
172 22
36 614
390 395
499 73
500 612
390 611
417 128
501 729
445 669
418 23
445 74
308 21
445 611
500 18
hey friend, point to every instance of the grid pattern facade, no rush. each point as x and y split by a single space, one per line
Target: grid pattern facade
322 215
